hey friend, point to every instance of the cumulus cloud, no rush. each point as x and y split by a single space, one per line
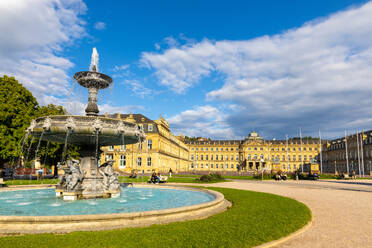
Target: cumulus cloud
34 34
205 121
100 25
317 75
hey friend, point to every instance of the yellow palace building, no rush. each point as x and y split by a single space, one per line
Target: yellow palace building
160 151
163 150
254 154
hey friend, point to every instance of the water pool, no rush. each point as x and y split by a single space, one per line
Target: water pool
43 202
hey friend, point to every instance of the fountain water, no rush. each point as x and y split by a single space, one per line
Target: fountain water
86 178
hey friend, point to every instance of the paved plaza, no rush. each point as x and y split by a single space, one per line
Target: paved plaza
342 210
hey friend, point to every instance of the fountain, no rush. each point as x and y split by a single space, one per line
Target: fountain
86 178
39 211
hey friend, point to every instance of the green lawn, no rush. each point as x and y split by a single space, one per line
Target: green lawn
28 182
254 218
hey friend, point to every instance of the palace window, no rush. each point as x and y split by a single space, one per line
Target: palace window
201 166
283 149
232 166
221 149
237 157
255 157
294 149
237 149
192 148
304 148
232 157
255 148
211 157
211 165
249 157
249 148
261 148
310 149
212 149
283 158
140 146
192 165
227 157
197 157
197 149
201 149
201 157
294 157
221 157
192 157
305 157
232 149
122 161
206 157
140 127
149 127
149 161
149 144
139 161
299 157
109 157
111 148
227 149
226 166
123 147
272 149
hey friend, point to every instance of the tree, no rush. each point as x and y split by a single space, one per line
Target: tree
17 109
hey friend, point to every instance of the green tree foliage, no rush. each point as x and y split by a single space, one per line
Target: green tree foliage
17 109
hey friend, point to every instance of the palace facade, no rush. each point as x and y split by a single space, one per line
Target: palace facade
160 151
358 157
254 154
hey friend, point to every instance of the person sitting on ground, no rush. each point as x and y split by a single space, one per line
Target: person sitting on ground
153 177
158 178
133 174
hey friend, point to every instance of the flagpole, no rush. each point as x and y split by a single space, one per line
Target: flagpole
357 136
361 149
320 149
302 155
347 156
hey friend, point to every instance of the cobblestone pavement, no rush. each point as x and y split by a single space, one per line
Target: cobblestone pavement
342 210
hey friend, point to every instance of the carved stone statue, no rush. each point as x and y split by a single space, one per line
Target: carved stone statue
75 176
62 178
110 177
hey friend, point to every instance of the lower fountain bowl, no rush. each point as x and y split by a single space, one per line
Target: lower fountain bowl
39 211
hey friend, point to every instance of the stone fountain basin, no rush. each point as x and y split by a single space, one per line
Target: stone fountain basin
83 130
92 78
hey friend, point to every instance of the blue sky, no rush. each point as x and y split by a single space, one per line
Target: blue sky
211 68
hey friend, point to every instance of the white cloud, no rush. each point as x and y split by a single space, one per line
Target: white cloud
138 88
121 67
100 25
316 76
205 121
34 34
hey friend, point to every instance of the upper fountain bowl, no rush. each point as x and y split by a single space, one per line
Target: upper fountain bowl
93 79
84 130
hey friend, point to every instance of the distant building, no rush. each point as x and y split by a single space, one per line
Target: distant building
335 158
254 154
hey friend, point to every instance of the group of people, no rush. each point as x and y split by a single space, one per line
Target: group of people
155 178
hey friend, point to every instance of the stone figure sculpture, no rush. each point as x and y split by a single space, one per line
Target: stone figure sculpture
62 178
110 177
75 176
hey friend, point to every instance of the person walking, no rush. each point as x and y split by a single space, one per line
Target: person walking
170 172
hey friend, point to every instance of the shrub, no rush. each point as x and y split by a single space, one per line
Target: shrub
212 177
